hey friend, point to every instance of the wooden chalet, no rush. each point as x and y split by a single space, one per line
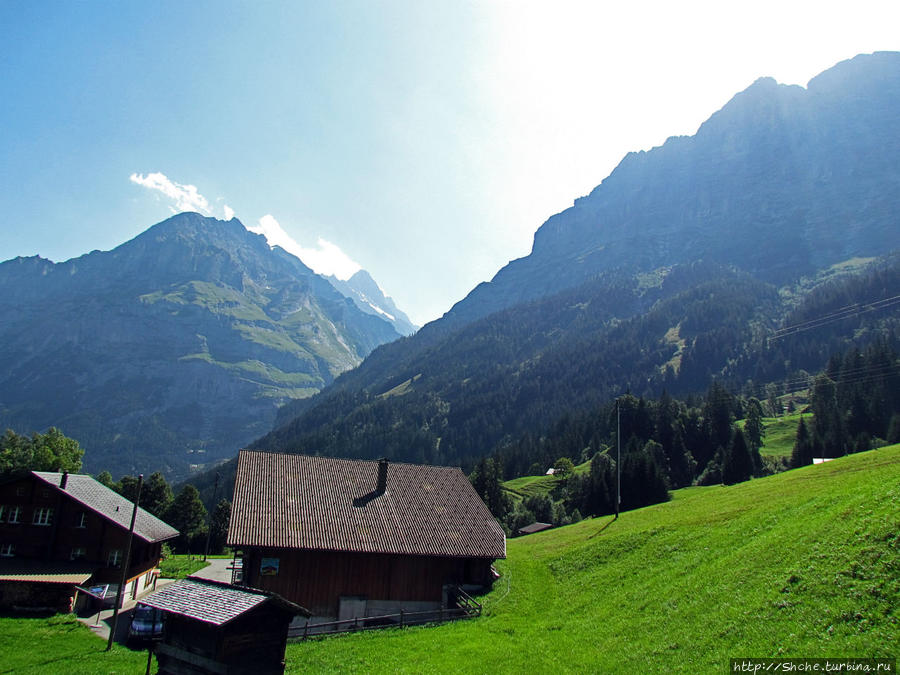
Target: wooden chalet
213 627
348 539
60 530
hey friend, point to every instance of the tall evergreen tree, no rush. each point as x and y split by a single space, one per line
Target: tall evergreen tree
738 463
828 426
221 516
802 453
156 495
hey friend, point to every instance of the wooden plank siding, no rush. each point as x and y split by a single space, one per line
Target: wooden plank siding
317 579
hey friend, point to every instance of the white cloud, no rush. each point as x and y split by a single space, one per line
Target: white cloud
229 212
185 197
327 258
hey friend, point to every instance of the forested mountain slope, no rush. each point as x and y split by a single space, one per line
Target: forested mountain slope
519 371
676 270
173 349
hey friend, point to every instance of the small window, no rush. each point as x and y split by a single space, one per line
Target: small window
21 492
7 550
115 558
78 553
81 520
3 510
13 515
43 515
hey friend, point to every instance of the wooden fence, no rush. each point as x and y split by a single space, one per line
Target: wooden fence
467 607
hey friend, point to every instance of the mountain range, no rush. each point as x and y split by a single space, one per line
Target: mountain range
176 348
781 182
674 272
368 296
678 270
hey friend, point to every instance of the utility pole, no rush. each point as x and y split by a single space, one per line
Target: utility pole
211 513
618 458
127 562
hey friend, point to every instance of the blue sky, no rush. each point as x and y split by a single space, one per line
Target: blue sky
424 140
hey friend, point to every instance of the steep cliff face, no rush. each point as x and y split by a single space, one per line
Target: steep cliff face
368 296
781 181
174 349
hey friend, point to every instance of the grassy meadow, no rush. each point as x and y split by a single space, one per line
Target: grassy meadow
61 644
805 563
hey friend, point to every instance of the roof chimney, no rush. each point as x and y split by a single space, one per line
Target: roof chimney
63 480
382 474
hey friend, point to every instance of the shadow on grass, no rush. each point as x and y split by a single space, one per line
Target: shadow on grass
600 531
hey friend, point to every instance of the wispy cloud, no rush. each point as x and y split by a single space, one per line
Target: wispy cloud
184 197
326 258
229 212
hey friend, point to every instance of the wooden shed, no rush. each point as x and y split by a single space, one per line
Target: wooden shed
213 627
352 538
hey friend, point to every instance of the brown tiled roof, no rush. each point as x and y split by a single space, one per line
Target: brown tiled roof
47 572
110 504
212 601
322 503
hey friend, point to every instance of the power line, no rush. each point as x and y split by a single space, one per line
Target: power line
843 313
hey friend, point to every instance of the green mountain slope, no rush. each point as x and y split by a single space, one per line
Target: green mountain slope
175 348
801 564
673 272
450 399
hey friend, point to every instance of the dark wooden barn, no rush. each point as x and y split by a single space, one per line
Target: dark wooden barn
60 530
213 627
348 538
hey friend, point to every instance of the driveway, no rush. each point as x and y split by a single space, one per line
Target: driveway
219 569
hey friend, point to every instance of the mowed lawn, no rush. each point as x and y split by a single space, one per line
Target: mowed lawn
804 563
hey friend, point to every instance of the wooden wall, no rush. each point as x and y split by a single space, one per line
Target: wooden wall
67 530
316 579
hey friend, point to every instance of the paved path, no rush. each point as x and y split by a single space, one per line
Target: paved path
219 569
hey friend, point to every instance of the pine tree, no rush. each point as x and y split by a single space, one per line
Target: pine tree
802 453
738 463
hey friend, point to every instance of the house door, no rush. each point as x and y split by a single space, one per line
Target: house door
351 607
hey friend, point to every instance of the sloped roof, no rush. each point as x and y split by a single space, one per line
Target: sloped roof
46 572
212 601
108 503
323 503
535 527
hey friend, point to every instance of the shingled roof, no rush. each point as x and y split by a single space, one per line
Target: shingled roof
322 503
213 601
110 504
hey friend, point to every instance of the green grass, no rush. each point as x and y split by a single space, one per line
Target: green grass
802 564
61 644
805 563
180 566
781 432
530 486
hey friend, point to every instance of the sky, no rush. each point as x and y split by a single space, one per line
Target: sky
422 140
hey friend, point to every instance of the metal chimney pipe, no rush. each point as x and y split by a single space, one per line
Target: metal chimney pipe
63 480
382 474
